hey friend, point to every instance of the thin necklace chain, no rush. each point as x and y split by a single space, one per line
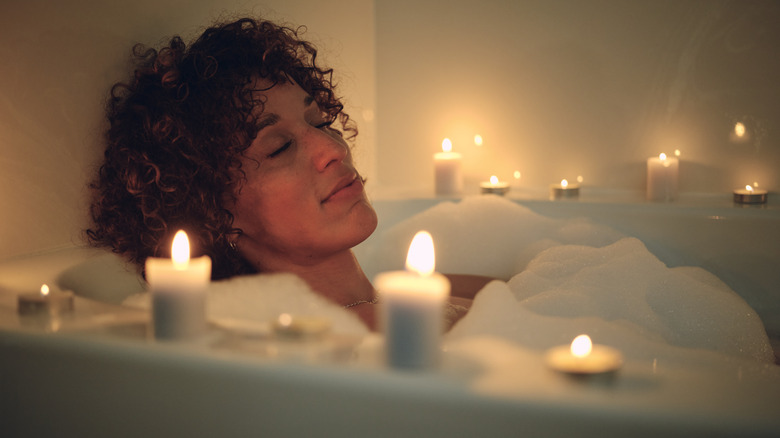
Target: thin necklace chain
357 303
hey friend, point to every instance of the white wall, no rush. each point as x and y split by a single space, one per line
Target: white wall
59 59
564 88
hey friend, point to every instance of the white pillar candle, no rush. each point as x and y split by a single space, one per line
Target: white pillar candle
494 186
448 173
412 308
662 177
178 289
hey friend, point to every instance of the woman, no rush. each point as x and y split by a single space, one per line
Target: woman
240 140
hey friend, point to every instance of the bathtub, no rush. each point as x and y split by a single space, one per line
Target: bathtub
105 378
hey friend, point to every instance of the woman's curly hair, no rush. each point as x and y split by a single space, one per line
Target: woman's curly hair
178 131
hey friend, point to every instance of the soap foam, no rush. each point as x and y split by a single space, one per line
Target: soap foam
570 276
262 298
486 235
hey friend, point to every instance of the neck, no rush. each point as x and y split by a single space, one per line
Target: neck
337 277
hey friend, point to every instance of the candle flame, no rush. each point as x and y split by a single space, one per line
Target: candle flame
739 129
748 188
662 156
446 145
45 289
677 152
517 174
564 183
421 258
581 346
494 180
285 320
478 140
180 250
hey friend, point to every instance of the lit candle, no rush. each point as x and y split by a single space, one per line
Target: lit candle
494 186
47 301
564 190
662 177
412 308
749 195
582 358
447 166
178 288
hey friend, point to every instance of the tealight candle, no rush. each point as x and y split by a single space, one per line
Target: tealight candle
564 190
582 358
47 301
662 177
749 195
447 167
178 289
412 308
494 186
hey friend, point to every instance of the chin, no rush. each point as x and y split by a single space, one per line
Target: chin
365 224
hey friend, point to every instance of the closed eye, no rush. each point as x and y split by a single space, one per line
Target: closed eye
280 150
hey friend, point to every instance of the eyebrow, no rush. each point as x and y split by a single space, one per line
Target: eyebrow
271 119
266 121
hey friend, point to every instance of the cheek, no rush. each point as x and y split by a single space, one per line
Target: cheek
267 205
250 204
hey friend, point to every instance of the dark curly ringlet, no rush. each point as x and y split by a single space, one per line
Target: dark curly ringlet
178 132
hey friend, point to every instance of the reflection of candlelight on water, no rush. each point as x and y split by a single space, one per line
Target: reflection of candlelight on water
494 186
749 195
412 315
564 190
301 327
584 358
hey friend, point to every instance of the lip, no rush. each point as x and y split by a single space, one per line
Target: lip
347 187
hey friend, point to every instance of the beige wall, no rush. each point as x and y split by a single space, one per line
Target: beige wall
58 61
556 88
564 88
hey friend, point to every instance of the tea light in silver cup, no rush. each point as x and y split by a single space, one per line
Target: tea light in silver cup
582 358
48 301
494 186
749 195
564 190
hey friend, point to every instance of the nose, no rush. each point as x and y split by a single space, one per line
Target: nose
327 148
